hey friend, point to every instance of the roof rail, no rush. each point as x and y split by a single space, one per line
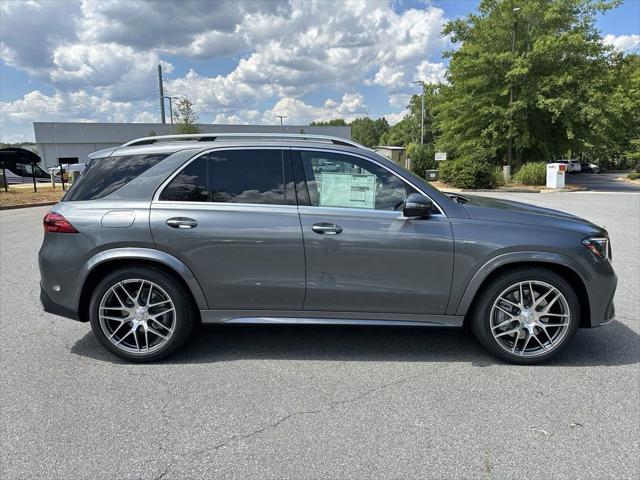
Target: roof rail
211 137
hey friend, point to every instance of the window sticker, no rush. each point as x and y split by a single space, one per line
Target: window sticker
347 190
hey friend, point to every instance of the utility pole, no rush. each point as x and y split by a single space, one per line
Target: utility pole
164 120
281 124
170 109
421 82
513 53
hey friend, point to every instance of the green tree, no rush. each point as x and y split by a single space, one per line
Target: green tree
422 158
558 73
368 131
186 117
335 122
408 129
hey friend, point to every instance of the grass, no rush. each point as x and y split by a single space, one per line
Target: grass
24 195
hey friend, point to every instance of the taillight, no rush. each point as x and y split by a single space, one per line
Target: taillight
54 222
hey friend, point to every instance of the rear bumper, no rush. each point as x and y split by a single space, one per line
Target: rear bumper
50 306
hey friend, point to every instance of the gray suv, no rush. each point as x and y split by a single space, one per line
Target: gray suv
165 233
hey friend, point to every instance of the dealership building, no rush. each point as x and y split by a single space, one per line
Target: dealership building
70 142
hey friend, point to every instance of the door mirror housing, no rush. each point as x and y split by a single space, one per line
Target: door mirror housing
417 205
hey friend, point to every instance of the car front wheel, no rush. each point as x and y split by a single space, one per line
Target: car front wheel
141 313
526 316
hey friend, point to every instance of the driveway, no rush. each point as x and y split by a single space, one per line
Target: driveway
321 403
602 182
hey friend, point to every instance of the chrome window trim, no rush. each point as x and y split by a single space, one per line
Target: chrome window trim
156 196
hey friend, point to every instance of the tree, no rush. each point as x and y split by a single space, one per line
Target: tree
422 158
335 122
368 131
186 117
408 129
558 72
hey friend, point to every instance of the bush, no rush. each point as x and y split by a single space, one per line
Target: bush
634 176
467 173
497 177
422 158
534 173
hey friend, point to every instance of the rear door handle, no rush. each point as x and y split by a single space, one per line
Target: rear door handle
182 222
326 228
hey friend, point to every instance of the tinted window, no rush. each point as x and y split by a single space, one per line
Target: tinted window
248 176
336 180
106 175
191 184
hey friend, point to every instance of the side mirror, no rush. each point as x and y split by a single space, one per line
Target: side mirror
417 205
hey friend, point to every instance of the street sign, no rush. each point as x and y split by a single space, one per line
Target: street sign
441 156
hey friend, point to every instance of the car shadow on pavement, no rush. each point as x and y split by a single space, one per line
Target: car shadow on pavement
614 344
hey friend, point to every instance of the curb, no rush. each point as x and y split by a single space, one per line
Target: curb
26 205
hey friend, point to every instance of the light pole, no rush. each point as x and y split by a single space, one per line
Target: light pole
281 124
171 109
513 52
421 112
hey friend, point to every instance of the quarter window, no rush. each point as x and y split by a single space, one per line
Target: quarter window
336 180
106 175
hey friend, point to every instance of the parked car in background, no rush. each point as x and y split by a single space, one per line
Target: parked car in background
591 168
164 233
18 173
573 166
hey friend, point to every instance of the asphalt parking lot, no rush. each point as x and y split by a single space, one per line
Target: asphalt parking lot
602 182
322 403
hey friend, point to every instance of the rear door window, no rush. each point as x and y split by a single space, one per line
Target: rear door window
248 176
258 176
106 175
192 184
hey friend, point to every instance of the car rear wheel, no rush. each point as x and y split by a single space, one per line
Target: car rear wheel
526 316
141 314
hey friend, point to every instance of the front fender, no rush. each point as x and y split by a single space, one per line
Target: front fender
505 259
150 255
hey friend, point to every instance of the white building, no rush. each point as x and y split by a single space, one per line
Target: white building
69 142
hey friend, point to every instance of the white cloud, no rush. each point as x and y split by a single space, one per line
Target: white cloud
394 118
105 54
17 116
431 72
298 112
623 43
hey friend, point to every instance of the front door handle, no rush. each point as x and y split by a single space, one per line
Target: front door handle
326 228
182 222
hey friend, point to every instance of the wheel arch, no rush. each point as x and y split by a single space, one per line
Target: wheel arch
106 262
556 263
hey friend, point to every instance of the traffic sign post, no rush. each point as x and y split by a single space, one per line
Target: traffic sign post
441 156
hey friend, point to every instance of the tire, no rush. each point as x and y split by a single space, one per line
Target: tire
149 304
503 331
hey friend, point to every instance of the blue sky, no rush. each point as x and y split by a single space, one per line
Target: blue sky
240 61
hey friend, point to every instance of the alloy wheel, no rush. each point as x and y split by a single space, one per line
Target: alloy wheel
137 316
530 318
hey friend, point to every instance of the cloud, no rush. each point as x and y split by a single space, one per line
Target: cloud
31 30
300 113
623 43
17 116
106 53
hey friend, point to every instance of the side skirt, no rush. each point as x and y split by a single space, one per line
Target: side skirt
303 317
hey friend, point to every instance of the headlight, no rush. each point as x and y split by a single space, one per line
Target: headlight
599 246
